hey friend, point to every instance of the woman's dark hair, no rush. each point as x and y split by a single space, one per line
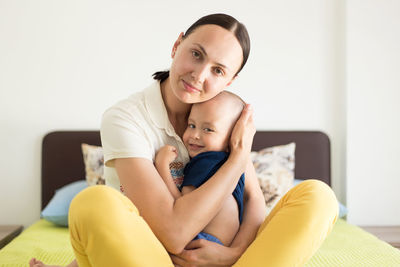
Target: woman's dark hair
226 22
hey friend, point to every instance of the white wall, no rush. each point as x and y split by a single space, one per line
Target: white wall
62 63
373 112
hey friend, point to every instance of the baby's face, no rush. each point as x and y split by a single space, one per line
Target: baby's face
209 127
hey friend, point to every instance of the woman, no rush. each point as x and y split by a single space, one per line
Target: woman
105 226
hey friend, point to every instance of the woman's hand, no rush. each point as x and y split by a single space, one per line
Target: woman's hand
243 132
201 252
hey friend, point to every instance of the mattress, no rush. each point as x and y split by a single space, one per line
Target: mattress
42 240
346 245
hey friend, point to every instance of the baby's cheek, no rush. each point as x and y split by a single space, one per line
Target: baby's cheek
185 138
225 142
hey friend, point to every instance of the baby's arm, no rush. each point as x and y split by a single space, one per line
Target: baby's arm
166 155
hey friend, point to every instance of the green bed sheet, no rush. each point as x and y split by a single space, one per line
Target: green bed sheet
347 245
42 240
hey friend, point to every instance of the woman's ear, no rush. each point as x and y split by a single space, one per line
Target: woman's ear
230 82
176 44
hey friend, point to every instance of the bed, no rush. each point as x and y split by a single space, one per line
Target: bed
62 163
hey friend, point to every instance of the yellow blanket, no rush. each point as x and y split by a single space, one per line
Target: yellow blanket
347 245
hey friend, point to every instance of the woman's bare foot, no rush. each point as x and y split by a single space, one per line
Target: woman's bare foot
37 263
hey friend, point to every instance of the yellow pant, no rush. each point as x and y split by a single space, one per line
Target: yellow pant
107 230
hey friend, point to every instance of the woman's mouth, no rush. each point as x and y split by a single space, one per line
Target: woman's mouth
188 87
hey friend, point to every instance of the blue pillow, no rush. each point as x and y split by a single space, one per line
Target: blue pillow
342 208
57 209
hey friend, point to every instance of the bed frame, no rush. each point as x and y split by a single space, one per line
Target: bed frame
62 160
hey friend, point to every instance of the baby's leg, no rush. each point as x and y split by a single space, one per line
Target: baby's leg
37 263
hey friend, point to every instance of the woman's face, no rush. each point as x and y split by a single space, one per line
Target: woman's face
204 63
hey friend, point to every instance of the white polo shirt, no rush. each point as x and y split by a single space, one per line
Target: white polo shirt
137 127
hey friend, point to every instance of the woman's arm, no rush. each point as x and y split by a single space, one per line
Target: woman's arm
164 157
176 222
206 253
254 213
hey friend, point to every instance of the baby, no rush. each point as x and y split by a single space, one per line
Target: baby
207 140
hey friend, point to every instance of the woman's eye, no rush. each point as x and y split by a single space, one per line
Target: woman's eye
196 54
219 71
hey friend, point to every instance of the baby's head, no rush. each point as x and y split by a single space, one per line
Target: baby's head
210 123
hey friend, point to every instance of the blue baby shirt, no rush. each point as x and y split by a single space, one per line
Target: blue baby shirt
203 166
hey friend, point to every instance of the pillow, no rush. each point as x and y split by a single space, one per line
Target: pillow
275 171
342 208
274 168
56 210
94 164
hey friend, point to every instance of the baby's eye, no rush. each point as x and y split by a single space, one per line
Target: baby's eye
208 130
196 54
191 125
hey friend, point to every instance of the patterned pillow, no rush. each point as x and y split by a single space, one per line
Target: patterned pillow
275 171
94 164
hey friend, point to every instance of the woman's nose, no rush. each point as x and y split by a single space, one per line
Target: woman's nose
200 73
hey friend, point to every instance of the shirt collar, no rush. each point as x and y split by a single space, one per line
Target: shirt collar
156 108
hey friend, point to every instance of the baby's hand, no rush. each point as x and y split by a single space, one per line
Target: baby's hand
166 155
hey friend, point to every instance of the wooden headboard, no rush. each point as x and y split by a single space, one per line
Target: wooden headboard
62 160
